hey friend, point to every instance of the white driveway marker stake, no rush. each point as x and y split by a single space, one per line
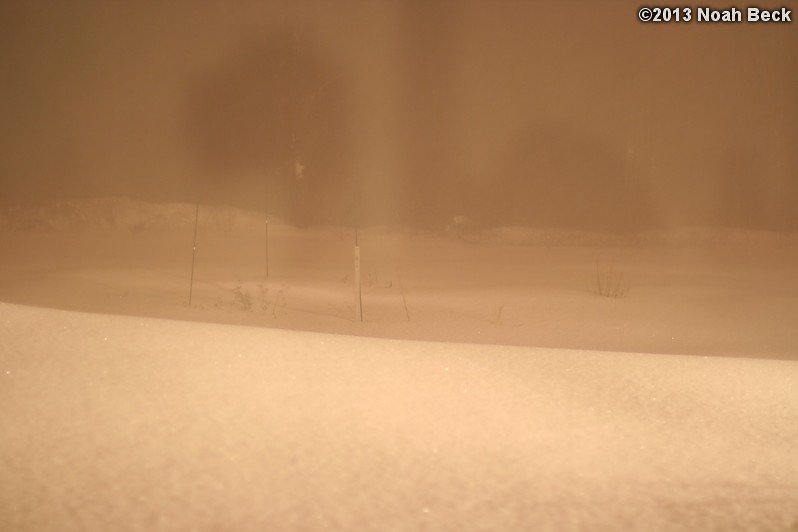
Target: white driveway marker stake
358 294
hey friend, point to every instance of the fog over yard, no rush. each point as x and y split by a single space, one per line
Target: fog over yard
400 265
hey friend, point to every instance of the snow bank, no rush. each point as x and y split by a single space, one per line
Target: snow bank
124 213
678 237
135 215
119 423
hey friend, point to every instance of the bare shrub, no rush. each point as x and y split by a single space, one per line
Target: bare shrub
609 283
242 298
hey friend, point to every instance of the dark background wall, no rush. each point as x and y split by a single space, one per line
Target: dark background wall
568 114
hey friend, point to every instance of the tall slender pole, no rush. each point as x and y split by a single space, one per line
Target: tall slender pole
267 245
193 255
267 228
358 291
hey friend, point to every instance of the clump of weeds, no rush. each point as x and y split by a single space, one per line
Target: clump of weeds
610 284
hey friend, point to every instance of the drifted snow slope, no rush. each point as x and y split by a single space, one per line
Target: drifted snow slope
120 423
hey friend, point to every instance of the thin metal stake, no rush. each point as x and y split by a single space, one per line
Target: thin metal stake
267 246
193 255
358 292
266 213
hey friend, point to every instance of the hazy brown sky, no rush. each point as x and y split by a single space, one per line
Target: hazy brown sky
493 94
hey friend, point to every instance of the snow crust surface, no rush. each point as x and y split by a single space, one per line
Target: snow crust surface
127 423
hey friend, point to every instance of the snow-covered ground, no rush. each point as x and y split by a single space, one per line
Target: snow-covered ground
697 292
595 414
124 423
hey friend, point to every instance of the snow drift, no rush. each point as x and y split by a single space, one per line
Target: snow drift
121 423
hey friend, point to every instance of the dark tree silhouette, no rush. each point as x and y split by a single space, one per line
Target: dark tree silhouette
555 177
270 124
